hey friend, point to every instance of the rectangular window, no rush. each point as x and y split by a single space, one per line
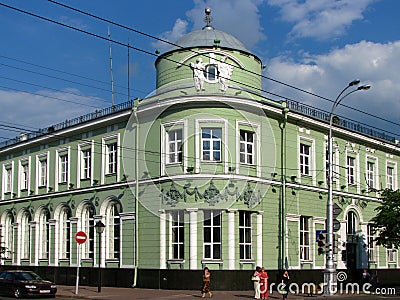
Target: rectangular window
390 177
43 173
174 146
246 147
370 175
350 167
211 144
111 158
24 177
8 178
304 238
371 248
245 240
305 159
391 255
178 235
86 164
212 234
63 168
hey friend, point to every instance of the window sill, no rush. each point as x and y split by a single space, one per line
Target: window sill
306 262
111 174
172 262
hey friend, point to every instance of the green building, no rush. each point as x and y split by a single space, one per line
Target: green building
206 171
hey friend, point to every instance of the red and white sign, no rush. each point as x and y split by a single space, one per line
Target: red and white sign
80 237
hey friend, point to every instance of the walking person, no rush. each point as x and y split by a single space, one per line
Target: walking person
206 283
264 293
285 284
256 282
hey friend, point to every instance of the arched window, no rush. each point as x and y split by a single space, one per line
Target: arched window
8 235
65 233
88 228
352 223
44 234
25 235
211 73
113 230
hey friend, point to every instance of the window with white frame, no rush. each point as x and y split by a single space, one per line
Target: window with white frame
305 159
7 178
371 244
88 227
351 225
42 172
351 169
24 175
111 158
174 146
246 147
63 168
390 177
391 255
8 235
86 163
211 73
211 140
25 240
44 234
113 230
177 235
65 233
212 234
305 238
245 235
370 174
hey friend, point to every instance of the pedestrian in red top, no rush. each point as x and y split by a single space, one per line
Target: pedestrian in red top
264 284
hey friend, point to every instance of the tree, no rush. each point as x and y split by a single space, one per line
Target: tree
386 222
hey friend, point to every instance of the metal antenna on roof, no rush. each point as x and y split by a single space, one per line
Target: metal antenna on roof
208 18
111 72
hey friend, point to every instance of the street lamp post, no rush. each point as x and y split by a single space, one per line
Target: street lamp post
330 270
99 229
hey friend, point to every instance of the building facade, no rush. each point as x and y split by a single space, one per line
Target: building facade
204 172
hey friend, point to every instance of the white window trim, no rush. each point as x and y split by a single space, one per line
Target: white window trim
181 214
244 244
39 158
310 244
257 145
313 172
7 166
104 159
356 156
21 164
59 153
181 124
393 165
214 213
394 253
375 175
79 177
200 123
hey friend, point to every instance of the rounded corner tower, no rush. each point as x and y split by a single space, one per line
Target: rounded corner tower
208 61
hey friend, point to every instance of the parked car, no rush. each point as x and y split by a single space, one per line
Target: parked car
25 283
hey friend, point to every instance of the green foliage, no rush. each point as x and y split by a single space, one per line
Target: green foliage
386 223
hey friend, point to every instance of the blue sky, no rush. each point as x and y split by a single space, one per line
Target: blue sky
49 73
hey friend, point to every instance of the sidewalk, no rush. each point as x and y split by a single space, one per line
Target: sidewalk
110 293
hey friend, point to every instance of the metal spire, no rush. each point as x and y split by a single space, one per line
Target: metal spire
208 19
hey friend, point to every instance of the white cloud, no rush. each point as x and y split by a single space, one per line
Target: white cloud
31 112
374 63
179 30
322 19
225 16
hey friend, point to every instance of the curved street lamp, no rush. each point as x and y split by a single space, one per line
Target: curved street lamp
330 270
99 229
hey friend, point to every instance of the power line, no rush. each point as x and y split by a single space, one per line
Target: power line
147 52
173 44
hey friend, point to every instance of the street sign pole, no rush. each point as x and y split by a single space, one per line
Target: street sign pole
80 238
77 270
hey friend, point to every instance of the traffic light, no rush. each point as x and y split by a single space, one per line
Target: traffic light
321 243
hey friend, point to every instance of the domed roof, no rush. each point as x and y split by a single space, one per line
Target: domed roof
208 37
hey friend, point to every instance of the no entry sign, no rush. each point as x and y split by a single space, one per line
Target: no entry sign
80 237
